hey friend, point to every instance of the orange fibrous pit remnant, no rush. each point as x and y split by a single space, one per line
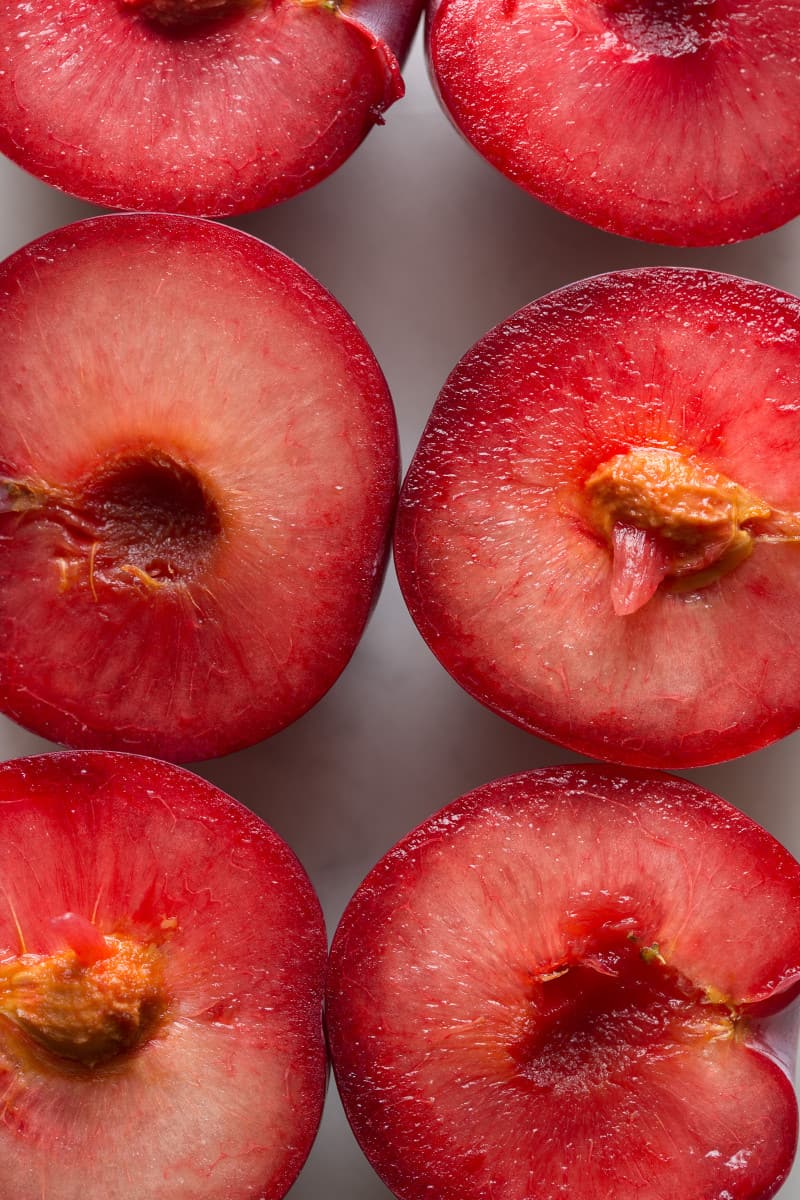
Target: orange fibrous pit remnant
702 523
698 509
88 1014
173 13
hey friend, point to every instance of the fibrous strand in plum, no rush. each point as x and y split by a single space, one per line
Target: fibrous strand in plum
639 565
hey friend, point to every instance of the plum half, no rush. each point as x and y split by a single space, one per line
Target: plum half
599 536
198 469
573 982
202 107
665 120
161 978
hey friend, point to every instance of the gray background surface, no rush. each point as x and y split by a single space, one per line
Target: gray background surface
427 247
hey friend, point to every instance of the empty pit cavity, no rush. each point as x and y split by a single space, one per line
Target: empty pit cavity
152 514
649 28
592 1018
177 15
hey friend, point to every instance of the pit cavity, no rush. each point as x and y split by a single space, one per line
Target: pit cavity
593 1016
144 518
83 1008
648 28
152 513
177 15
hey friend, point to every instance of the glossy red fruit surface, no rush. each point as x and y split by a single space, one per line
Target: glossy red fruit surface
198 467
195 106
666 120
598 534
160 988
557 986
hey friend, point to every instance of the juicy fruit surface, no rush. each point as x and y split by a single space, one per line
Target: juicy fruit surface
221 116
198 459
667 120
223 1100
502 563
547 990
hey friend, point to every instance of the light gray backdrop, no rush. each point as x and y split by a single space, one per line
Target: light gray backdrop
427 247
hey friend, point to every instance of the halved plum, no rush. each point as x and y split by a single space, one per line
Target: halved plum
666 120
195 106
198 470
161 977
599 536
559 985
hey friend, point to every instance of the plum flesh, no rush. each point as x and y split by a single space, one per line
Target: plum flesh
567 983
598 533
195 107
665 120
161 979
198 468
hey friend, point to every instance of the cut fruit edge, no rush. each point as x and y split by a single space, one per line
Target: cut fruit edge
390 25
362 541
601 784
255 170
635 572
225 995
362 1007
762 215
